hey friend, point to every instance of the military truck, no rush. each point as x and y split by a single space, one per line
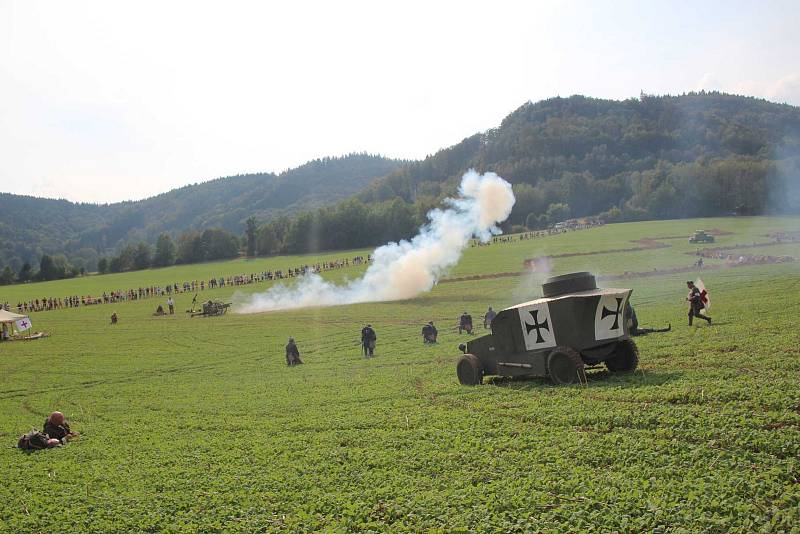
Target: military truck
574 325
700 236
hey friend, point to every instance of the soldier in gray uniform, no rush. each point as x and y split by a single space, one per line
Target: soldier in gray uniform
368 338
292 353
429 333
489 317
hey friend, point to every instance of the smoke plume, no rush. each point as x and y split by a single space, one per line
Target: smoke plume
405 269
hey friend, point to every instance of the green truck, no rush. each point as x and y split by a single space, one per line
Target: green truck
700 236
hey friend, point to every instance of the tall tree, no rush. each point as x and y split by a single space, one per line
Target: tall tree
251 236
142 257
25 273
7 276
165 251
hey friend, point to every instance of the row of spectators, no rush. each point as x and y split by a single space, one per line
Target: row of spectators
193 286
537 234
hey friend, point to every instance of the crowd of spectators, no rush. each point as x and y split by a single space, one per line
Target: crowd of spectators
189 286
566 227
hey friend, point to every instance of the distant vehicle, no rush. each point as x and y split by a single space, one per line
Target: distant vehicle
700 236
210 308
574 325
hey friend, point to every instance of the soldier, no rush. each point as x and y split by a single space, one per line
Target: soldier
114 318
171 304
633 323
56 427
292 353
488 318
429 333
465 323
368 338
696 304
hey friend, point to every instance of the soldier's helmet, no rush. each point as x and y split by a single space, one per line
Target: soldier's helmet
57 418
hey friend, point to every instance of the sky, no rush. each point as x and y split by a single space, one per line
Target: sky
108 101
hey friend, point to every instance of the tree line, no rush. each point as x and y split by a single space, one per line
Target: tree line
192 246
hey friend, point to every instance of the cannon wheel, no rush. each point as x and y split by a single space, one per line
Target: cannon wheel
469 370
565 366
625 358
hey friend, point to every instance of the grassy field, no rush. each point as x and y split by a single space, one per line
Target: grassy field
198 425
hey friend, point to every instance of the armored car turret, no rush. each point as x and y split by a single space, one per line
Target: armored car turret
573 325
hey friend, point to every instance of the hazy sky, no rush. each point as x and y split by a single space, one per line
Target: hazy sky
105 101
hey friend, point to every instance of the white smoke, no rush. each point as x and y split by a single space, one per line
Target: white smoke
404 270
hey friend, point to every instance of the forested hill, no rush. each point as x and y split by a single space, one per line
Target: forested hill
32 226
651 157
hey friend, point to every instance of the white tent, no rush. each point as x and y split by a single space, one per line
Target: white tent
10 317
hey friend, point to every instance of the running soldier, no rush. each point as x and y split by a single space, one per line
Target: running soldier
696 303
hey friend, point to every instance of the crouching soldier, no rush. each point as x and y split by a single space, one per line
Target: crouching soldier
57 427
429 333
292 353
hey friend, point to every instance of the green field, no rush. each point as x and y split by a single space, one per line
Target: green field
197 425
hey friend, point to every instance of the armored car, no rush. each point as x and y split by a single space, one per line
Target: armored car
575 324
701 236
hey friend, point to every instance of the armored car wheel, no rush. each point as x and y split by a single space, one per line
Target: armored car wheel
469 370
565 366
625 358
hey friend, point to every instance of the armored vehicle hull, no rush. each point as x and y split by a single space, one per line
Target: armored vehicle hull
700 236
575 324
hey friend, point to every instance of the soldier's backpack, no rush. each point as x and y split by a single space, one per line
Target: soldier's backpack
33 441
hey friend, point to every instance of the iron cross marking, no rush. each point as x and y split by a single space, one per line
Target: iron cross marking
616 314
537 326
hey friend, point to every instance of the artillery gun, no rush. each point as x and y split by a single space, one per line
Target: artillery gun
210 308
701 236
574 325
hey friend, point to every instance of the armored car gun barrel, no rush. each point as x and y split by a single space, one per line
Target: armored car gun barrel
573 325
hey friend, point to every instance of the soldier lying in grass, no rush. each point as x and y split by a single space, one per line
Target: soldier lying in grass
56 433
